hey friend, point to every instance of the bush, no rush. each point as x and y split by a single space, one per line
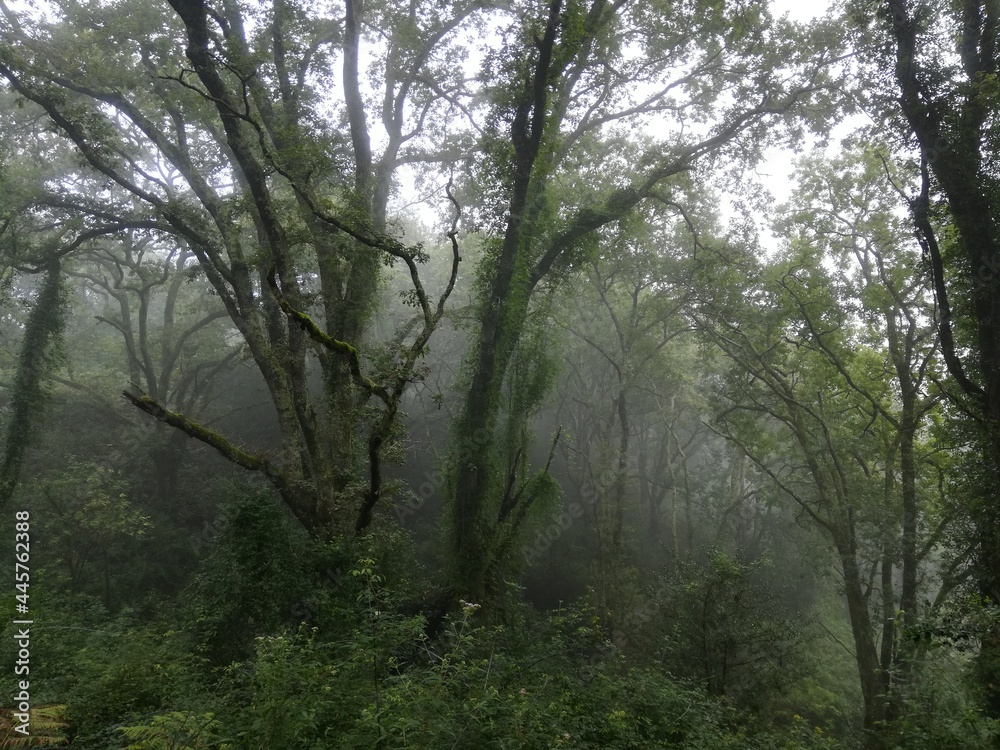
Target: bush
256 573
549 683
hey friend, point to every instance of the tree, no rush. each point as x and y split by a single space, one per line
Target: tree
99 535
833 349
209 132
847 208
32 248
629 415
150 295
788 415
942 62
40 349
719 622
569 85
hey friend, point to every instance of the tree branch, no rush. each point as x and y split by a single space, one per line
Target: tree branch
195 430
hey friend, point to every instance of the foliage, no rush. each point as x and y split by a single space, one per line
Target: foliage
88 520
176 730
38 357
671 488
942 695
46 728
252 579
941 710
123 672
721 623
480 687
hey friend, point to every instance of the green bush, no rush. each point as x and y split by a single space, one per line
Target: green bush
123 673
256 572
552 682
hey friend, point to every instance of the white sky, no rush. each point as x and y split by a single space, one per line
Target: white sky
800 10
776 170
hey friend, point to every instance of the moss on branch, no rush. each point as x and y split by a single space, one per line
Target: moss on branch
324 339
209 437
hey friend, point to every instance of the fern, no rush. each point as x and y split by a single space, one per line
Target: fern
46 724
177 730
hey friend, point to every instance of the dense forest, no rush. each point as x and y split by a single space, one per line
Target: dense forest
456 374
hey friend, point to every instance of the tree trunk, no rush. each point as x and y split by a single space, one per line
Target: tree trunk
872 677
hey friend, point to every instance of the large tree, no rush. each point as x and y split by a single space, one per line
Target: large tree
834 349
705 80
213 128
940 61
